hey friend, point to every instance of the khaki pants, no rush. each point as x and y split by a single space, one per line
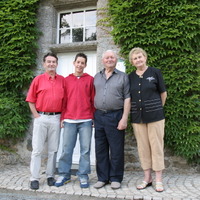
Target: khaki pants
150 142
45 129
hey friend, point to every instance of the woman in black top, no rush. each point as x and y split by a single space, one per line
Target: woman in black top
148 95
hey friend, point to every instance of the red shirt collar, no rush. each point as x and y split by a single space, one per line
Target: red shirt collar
48 76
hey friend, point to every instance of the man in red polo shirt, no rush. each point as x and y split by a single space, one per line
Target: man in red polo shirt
45 97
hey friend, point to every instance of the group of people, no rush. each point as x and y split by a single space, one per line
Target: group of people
80 102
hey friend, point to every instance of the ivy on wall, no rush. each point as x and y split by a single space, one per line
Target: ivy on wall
18 43
169 32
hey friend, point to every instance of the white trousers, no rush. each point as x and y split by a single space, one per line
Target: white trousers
46 128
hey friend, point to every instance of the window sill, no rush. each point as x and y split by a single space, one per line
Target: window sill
74 47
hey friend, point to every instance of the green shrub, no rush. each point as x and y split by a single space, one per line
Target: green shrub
18 43
169 32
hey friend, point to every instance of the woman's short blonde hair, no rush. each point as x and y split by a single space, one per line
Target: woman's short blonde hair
136 50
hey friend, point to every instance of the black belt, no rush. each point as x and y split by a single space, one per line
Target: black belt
108 111
49 113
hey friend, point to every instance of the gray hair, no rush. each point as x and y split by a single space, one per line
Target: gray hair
109 51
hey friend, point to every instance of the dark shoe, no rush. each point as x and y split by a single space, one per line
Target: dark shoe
35 185
50 181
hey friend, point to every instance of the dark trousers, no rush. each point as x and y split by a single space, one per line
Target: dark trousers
109 146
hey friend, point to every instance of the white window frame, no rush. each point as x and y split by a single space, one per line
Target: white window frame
71 11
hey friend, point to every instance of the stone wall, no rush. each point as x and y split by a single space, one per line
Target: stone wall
22 154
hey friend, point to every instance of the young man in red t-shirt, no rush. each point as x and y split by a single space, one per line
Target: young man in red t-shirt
77 117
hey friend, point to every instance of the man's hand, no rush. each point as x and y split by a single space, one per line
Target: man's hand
122 124
62 124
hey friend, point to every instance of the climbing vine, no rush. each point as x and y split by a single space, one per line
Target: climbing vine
169 32
18 44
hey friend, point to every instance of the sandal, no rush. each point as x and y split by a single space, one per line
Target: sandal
159 187
143 185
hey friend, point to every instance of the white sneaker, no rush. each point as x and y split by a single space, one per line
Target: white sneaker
61 181
84 183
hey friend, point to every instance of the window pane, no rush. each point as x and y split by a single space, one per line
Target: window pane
77 26
65 36
77 19
65 20
77 35
90 33
90 18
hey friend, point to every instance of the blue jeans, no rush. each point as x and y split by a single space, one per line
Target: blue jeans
71 130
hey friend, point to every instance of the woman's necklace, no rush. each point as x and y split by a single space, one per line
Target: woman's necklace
140 72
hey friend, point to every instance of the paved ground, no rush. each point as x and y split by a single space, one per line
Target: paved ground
15 179
6 194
